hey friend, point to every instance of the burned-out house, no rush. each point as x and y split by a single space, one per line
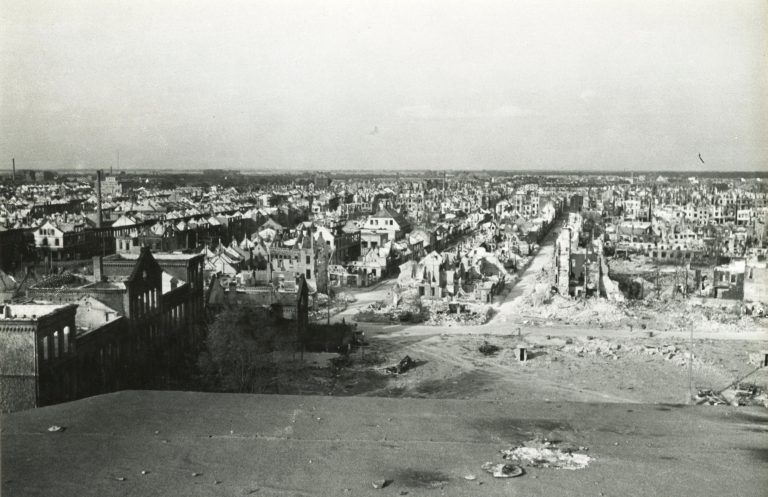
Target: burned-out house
138 321
37 344
277 298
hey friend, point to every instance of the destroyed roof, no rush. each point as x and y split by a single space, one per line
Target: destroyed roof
734 266
635 228
387 212
63 280
7 282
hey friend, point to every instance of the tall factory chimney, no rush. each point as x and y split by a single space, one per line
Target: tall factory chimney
13 174
98 197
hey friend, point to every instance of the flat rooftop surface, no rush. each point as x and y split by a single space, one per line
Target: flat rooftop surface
196 444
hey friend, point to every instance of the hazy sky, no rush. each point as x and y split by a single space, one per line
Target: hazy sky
385 85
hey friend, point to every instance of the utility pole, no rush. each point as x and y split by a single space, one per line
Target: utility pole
98 197
674 288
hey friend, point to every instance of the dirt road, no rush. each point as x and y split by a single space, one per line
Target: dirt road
527 278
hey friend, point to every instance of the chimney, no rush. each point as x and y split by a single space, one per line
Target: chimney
98 197
13 174
98 268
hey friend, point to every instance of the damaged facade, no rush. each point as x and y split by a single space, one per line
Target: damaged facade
134 323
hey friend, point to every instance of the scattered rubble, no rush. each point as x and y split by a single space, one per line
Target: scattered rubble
612 350
710 397
379 484
503 470
488 348
750 394
404 365
755 309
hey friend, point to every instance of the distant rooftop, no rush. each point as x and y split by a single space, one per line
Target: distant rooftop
29 311
92 313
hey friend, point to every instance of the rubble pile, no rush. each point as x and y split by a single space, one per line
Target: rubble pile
548 305
405 310
488 348
665 314
710 397
545 454
749 394
345 297
612 350
441 315
742 394
540 295
679 314
755 309
595 311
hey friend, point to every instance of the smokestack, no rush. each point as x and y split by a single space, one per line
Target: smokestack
13 174
98 197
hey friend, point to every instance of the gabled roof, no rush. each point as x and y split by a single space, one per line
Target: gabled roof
271 223
145 259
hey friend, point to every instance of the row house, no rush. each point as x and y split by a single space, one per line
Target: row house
386 225
69 241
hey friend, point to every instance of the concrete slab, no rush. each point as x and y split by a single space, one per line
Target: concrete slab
195 444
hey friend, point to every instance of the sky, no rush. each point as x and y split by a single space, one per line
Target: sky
385 85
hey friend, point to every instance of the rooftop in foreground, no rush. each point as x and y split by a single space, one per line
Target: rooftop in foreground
196 444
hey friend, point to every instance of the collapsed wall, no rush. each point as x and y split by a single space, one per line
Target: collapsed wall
562 261
609 288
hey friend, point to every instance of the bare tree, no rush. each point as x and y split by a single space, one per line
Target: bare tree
236 357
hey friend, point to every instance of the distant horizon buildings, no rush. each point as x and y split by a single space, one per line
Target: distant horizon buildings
28 172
